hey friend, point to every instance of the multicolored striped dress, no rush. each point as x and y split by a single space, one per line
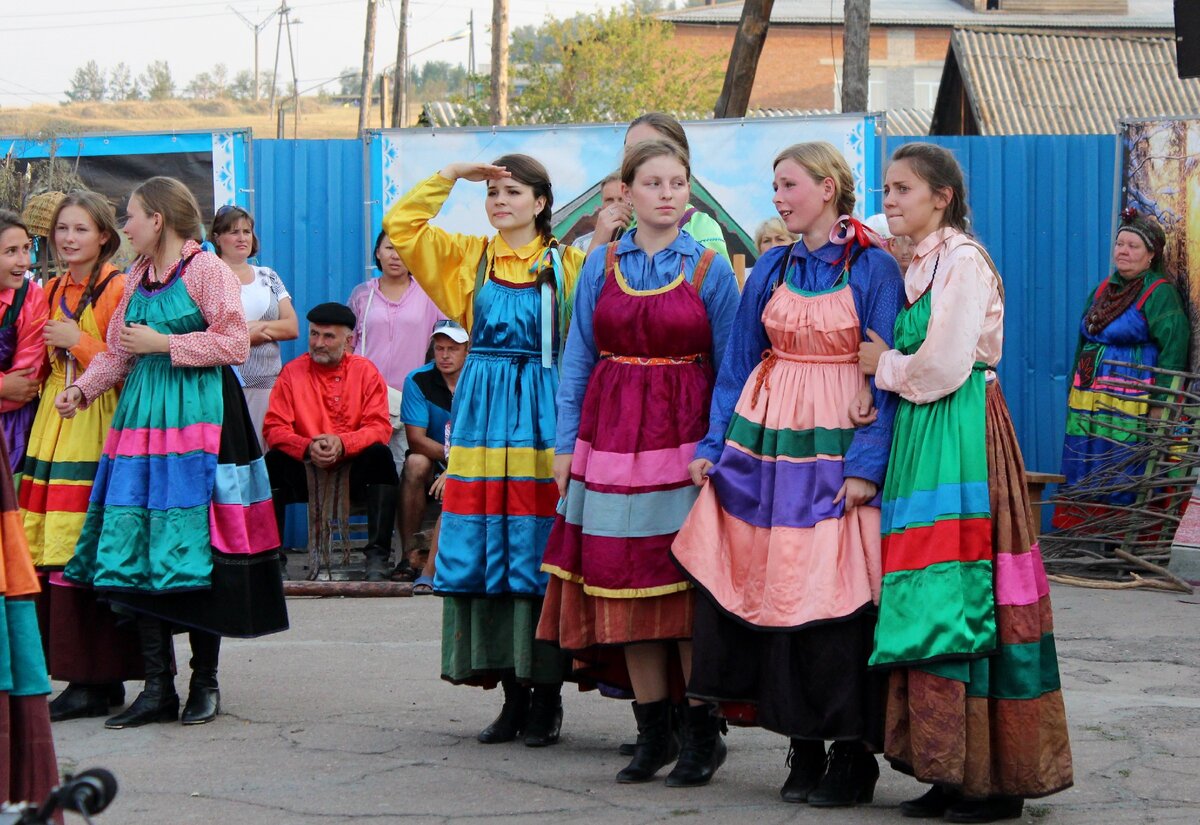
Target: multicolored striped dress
84 642
180 524
637 382
1099 447
965 623
788 577
28 767
500 494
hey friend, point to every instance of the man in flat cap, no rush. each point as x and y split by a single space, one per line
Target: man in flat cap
330 407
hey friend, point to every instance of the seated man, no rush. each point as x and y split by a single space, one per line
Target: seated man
330 407
425 411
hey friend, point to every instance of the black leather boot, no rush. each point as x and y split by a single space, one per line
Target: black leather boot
930 805
657 744
806 758
204 695
850 776
703 748
513 716
545 716
80 702
381 519
158 701
992 809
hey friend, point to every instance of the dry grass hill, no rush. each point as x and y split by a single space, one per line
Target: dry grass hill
317 119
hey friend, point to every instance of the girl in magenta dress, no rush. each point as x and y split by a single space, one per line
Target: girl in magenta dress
651 317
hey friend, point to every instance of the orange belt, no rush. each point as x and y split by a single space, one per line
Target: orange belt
650 362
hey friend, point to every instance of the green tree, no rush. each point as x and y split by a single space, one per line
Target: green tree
607 66
156 81
88 83
121 85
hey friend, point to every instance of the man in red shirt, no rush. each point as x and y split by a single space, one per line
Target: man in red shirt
330 407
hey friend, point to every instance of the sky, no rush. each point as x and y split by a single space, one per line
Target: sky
43 43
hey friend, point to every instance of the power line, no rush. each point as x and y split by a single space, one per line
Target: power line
171 19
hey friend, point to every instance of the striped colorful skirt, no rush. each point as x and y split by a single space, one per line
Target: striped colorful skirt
496 516
974 699
613 582
180 524
28 767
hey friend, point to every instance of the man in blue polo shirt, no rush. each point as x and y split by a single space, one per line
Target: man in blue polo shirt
425 411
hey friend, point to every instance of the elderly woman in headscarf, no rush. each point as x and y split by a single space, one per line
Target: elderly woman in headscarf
1135 316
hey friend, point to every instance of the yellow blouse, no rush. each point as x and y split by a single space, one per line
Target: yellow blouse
445 264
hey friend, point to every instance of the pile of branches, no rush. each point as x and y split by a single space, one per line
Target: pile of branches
1122 546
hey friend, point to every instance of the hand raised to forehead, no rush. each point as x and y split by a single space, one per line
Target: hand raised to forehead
477 171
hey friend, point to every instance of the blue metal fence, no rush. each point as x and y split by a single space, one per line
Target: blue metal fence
309 217
1044 207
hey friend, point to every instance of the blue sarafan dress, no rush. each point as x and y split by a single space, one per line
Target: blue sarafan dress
500 494
1101 443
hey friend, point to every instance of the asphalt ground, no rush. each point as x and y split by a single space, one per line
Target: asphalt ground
344 719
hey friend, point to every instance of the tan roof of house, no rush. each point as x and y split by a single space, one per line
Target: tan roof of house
1046 84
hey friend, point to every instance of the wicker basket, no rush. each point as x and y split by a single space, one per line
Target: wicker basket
39 210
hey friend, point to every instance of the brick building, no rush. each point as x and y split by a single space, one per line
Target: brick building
802 58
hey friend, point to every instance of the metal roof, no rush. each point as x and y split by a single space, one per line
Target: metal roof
1143 14
444 114
1046 84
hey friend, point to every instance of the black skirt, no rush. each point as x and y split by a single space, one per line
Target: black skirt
806 683
246 597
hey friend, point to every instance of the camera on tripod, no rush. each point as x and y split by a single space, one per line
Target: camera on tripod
86 794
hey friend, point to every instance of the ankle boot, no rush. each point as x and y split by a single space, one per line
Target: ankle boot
545 716
657 744
513 716
703 748
806 758
158 701
381 519
80 702
850 776
992 809
204 696
930 805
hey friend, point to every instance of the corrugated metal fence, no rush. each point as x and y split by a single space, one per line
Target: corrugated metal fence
308 201
1042 205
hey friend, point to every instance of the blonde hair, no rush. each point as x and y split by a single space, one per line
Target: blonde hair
645 150
177 205
821 160
775 224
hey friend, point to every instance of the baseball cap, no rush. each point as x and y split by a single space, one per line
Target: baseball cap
452 330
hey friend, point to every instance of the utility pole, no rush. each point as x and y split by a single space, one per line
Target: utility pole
364 105
282 11
499 62
400 83
471 59
743 58
856 55
257 28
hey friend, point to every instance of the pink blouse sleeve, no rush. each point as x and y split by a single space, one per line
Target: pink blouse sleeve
31 346
216 290
956 321
110 366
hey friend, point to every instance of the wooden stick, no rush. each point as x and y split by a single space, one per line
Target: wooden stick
1153 568
347 588
1100 584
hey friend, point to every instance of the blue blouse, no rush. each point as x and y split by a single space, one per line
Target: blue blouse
719 293
878 291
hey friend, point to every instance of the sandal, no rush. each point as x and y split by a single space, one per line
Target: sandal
403 572
423 586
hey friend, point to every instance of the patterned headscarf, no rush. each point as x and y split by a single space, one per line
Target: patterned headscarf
1148 231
